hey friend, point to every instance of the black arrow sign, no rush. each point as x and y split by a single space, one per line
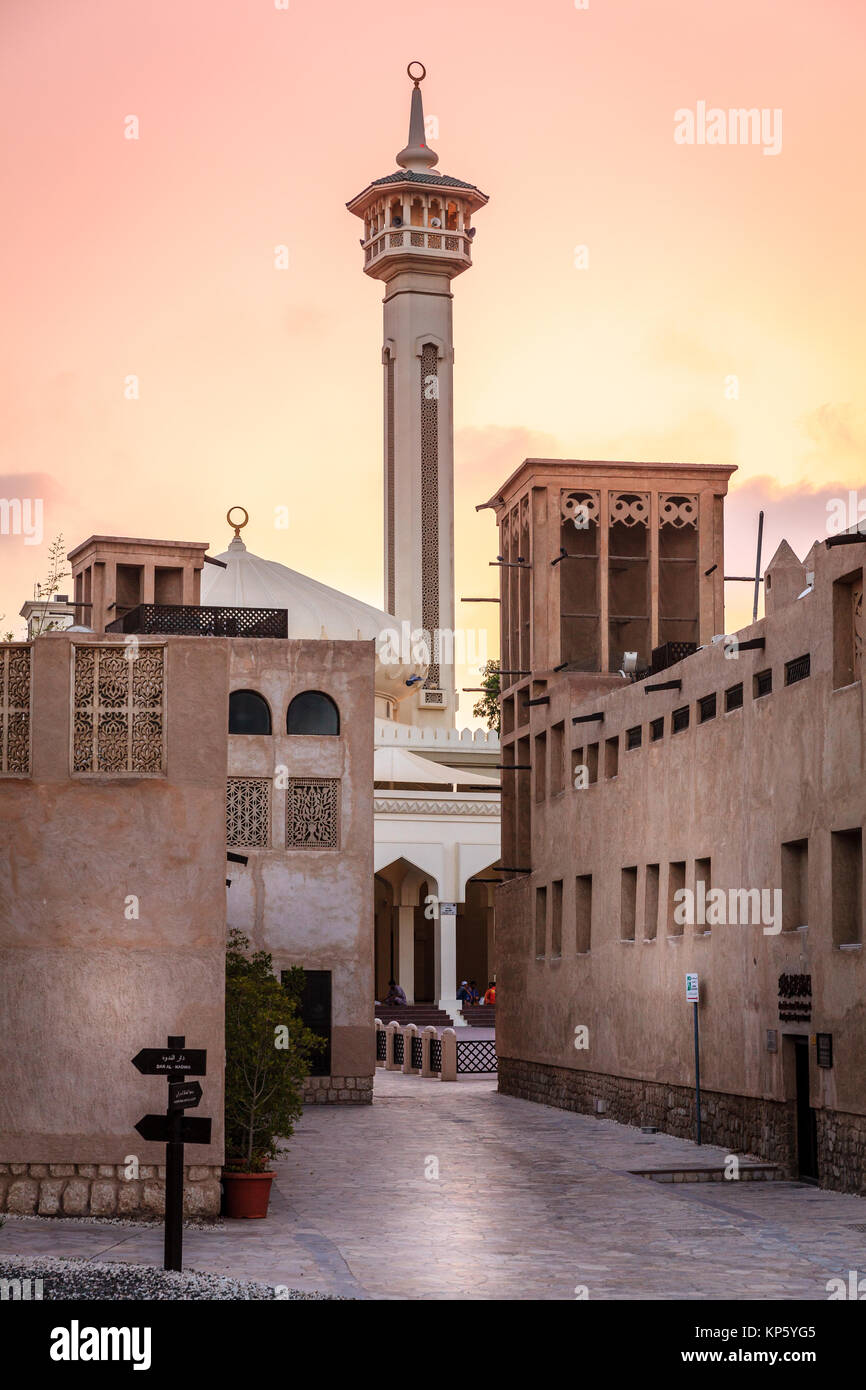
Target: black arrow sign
194 1129
161 1061
183 1095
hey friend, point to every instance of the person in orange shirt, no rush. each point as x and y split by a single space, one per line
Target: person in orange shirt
490 994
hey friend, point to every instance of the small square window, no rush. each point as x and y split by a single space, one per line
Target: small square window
633 737
798 670
657 729
734 697
707 708
763 684
680 719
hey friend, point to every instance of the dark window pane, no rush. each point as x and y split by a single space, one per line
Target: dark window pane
313 713
248 713
734 697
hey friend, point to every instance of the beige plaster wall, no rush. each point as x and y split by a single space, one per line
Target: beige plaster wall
82 987
786 766
313 908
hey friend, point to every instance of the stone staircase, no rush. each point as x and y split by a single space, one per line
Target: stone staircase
421 1015
480 1015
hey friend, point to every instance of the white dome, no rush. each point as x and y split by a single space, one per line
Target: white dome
315 610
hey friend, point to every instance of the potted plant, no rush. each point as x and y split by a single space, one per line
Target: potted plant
268 1050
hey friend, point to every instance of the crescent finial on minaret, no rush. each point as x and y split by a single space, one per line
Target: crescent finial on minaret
417 155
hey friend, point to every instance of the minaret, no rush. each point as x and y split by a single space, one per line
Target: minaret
417 238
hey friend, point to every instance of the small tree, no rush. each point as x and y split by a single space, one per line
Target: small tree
50 585
268 1051
488 706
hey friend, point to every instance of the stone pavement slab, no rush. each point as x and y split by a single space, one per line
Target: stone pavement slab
449 1190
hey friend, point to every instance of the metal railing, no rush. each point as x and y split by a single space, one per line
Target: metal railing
195 620
431 1054
476 1056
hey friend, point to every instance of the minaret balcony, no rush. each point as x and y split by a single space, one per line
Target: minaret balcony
434 244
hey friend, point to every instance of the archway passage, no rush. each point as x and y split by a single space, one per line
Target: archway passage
429 946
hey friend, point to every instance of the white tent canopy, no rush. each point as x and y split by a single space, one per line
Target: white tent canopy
398 765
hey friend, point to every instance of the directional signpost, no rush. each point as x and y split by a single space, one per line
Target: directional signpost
177 1063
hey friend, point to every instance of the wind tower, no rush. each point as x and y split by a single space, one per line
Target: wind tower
418 236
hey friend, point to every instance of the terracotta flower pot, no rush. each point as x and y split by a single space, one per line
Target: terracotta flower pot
247 1194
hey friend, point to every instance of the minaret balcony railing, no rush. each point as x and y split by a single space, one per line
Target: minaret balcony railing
423 239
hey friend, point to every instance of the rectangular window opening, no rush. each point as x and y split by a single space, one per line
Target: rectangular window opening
798 669
611 757
676 882
540 923
763 684
628 903
795 885
734 697
556 919
703 875
846 866
680 719
583 913
651 902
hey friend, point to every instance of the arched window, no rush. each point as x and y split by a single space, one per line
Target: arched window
311 712
248 713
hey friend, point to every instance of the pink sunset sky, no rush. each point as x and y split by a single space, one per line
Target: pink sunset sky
262 387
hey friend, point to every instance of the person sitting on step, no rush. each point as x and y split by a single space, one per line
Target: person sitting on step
396 993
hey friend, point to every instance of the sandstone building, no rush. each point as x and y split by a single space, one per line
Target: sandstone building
737 764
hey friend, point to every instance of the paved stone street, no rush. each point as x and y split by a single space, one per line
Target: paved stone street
529 1203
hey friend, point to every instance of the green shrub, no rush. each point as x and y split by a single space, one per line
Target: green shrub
268 1052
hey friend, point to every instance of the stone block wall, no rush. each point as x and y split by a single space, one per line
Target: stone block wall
338 1090
101 1189
842 1151
743 1124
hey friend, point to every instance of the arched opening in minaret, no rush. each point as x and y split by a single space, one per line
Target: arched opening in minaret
417 214
451 217
396 212
435 213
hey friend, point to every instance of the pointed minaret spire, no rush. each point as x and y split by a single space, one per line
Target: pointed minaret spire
417 155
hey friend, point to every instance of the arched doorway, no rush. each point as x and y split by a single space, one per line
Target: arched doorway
405 897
